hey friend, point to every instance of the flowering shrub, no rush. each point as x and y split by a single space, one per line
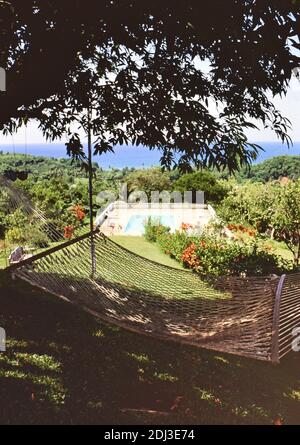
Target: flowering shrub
153 229
228 258
69 232
190 257
78 212
241 228
186 226
216 256
174 244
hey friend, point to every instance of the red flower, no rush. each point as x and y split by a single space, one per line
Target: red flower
69 232
189 256
78 212
186 226
242 229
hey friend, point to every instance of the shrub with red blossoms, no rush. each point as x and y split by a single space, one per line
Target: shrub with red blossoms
78 212
69 232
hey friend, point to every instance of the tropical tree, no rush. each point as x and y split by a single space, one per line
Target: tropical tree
286 219
148 180
154 73
203 181
274 168
272 208
251 203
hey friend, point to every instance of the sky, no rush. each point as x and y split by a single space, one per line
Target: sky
288 105
290 108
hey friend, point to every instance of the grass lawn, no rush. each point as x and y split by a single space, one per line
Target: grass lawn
139 245
64 366
281 249
2 262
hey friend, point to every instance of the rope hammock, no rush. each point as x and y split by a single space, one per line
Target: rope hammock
251 317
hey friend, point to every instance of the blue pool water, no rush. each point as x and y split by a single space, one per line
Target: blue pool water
136 223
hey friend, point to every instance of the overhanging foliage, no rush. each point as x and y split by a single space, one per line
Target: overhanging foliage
186 77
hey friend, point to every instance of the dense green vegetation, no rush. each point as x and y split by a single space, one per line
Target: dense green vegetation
274 168
41 167
273 209
286 166
150 180
204 181
212 254
59 187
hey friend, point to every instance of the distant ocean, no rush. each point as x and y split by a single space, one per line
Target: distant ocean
132 156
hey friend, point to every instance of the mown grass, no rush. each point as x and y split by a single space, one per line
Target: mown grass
3 261
4 254
63 366
281 249
140 246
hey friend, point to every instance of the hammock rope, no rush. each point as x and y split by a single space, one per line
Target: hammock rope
251 317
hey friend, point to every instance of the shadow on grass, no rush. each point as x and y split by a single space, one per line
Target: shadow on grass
63 366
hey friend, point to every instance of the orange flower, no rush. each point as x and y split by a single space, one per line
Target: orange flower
78 212
189 257
242 229
186 226
69 232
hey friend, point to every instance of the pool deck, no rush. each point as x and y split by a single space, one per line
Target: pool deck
115 219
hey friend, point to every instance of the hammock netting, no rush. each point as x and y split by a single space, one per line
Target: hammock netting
252 317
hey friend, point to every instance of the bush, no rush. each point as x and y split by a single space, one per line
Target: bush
216 256
174 244
203 181
16 236
153 229
37 238
28 235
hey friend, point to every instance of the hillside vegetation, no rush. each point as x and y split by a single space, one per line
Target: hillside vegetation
59 188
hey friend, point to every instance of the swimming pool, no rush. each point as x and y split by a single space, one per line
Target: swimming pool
136 223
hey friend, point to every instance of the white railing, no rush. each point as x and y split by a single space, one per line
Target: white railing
212 211
103 215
